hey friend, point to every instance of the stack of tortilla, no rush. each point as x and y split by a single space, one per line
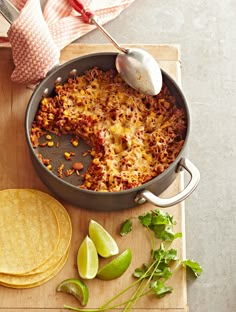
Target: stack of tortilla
35 237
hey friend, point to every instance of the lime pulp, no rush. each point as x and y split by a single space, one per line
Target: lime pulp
76 288
87 259
105 244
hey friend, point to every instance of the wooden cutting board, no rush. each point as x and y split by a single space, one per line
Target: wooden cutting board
17 172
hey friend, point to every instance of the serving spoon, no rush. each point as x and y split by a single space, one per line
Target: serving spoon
137 67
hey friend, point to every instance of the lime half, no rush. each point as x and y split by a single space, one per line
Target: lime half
76 288
87 259
105 244
116 267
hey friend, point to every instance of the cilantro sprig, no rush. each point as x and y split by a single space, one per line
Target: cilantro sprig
152 277
163 260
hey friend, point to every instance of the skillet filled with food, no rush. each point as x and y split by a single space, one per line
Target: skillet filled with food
99 144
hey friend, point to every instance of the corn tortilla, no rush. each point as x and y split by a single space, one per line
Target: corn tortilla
64 242
29 230
32 280
27 198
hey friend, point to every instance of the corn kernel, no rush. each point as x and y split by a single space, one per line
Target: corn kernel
50 143
96 161
49 167
75 142
48 137
67 128
87 184
44 101
67 155
50 116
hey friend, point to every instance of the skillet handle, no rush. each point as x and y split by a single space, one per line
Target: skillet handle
146 195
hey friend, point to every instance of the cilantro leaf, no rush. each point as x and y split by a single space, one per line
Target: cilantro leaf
193 266
160 223
126 227
170 255
159 288
161 217
165 232
146 219
164 255
164 273
139 272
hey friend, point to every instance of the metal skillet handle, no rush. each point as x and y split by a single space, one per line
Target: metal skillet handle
146 195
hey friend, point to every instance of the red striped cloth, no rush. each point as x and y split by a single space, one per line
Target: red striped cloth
37 37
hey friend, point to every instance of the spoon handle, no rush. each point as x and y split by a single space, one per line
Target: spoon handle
79 7
90 18
8 11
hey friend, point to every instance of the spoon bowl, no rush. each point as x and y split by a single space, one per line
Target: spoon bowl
145 78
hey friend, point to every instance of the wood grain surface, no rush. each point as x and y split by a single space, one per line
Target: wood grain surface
17 172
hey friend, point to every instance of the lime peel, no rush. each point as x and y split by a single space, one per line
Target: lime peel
116 267
76 288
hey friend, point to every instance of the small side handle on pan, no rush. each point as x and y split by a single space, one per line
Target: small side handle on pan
146 195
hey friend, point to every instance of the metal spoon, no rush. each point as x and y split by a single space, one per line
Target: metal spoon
137 67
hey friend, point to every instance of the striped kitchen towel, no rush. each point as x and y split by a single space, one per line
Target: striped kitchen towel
37 37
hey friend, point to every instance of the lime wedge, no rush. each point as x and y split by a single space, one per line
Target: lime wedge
105 244
87 259
76 288
116 267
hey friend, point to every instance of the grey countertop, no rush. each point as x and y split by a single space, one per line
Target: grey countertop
206 32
